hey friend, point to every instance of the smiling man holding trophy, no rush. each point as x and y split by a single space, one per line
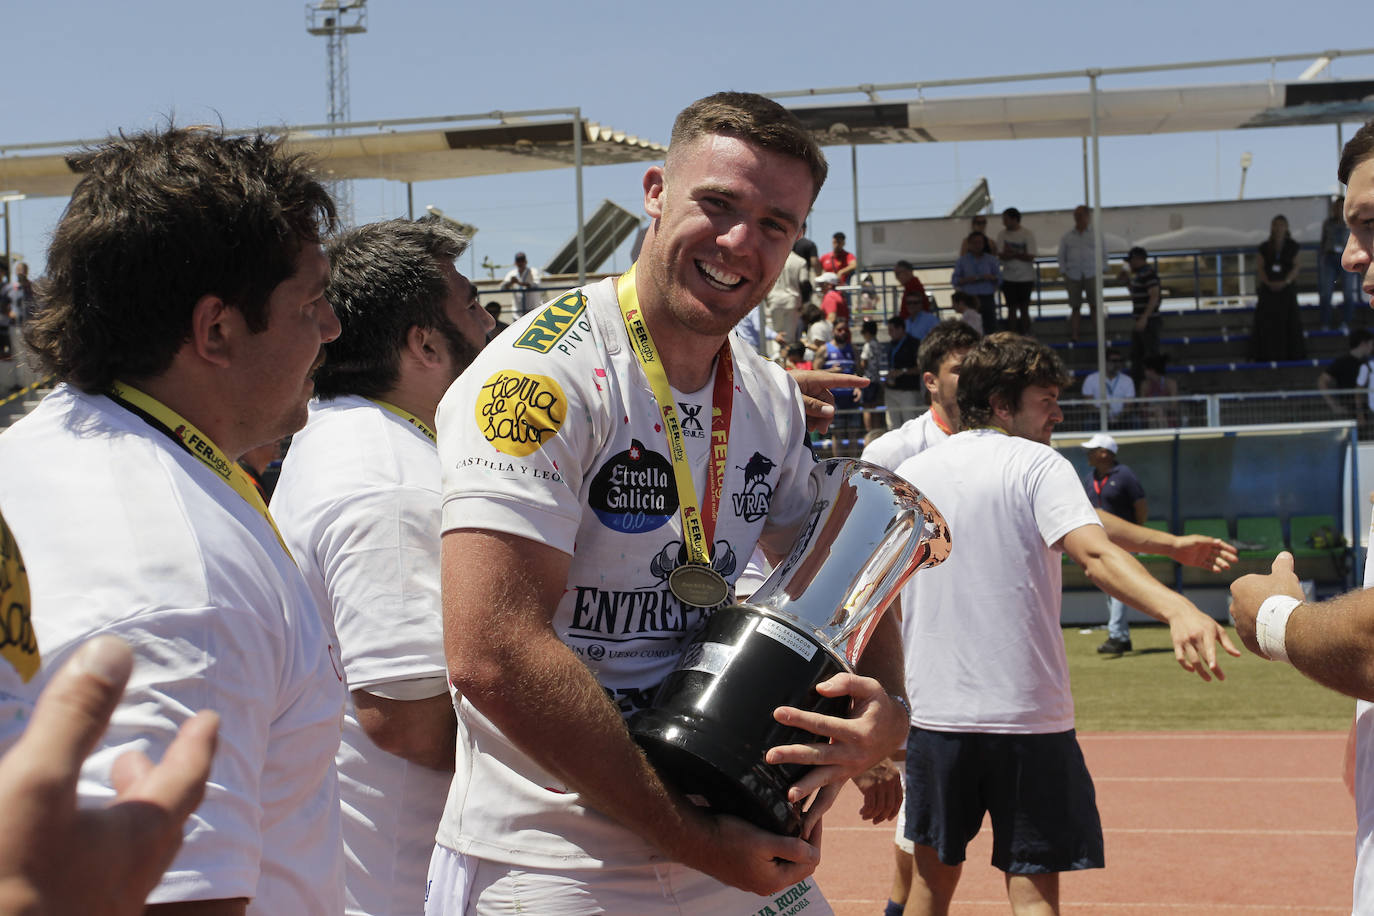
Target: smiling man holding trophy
592 524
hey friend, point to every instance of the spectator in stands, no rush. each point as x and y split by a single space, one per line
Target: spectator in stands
20 302
914 298
1117 390
1159 414
525 279
839 356
1343 375
1142 279
870 300
808 252
921 324
1278 331
818 331
833 304
903 385
965 308
784 304
1329 270
796 358
872 366
497 325
1016 249
1113 487
977 273
838 261
1078 264
978 223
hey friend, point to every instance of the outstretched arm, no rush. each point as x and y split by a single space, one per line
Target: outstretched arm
1189 549
1332 642
1116 572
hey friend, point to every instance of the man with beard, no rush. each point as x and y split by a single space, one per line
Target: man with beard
358 503
577 559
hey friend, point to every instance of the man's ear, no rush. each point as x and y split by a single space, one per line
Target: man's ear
653 191
1001 410
423 345
929 380
215 328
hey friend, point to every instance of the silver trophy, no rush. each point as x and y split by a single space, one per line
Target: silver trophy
711 720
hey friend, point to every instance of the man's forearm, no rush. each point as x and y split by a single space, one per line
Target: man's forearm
1333 643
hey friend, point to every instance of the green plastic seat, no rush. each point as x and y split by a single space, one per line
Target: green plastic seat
1209 527
1302 528
1259 537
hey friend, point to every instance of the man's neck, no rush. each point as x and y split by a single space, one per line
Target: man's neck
215 418
688 357
942 420
414 402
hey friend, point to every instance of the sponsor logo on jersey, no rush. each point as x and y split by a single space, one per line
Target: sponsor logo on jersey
691 420
753 503
18 644
634 491
554 322
517 412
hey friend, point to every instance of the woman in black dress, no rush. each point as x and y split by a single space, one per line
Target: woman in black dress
1278 327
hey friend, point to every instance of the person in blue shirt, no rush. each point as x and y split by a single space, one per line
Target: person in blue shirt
978 273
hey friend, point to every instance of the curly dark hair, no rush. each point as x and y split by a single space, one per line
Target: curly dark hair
384 279
756 119
1001 366
158 221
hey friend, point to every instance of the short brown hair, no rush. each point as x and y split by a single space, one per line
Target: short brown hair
159 220
756 120
1357 149
1002 366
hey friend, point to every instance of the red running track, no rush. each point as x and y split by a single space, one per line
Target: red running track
1195 823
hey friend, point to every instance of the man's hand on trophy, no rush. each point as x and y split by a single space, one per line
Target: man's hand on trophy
744 856
881 785
876 726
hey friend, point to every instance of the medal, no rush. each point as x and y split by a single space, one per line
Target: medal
697 585
695 582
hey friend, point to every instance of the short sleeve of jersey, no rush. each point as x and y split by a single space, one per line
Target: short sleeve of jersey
518 428
1056 496
379 556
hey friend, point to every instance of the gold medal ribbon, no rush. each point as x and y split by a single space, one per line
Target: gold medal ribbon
698 521
406 415
198 444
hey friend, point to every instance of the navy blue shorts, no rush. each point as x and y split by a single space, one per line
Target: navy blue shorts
1035 787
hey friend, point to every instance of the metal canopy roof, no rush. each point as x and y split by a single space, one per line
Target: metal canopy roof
400 155
1069 114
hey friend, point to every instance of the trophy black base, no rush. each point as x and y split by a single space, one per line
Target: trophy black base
711 720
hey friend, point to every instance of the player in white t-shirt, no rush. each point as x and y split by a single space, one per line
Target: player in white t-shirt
938 360
184 316
563 530
986 670
358 503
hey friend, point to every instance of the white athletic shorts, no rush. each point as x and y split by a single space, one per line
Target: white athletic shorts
461 885
902 842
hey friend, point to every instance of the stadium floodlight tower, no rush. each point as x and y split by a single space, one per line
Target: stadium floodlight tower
336 20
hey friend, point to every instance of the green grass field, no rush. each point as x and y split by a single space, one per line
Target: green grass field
1146 690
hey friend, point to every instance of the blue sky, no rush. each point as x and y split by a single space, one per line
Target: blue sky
80 70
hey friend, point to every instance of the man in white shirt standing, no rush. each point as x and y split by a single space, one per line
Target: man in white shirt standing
1079 265
1116 390
1016 249
570 540
358 503
991 712
185 317
523 279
